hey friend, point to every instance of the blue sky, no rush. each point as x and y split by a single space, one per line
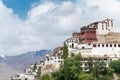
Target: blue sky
21 7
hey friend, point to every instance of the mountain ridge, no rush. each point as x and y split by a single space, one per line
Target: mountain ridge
17 63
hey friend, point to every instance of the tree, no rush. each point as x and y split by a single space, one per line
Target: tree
34 67
86 76
90 64
26 79
115 65
39 72
70 70
45 77
101 72
65 51
59 75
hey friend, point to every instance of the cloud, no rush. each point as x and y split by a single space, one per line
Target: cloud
48 23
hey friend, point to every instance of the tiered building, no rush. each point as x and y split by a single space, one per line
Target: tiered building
96 39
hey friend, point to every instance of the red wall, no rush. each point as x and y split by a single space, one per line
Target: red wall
88 34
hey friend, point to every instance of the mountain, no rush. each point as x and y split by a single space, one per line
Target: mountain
6 71
2 58
19 62
10 65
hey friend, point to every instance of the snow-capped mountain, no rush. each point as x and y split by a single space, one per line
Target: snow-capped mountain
2 58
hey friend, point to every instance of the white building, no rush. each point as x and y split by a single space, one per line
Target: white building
23 76
107 43
51 63
103 27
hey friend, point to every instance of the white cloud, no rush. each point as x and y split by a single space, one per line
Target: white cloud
48 24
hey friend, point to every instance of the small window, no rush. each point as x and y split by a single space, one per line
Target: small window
106 45
58 57
118 45
88 39
83 47
94 45
98 45
114 45
110 45
88 43
59 61
85 64
102 45
105 59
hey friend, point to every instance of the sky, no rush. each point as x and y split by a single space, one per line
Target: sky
30 25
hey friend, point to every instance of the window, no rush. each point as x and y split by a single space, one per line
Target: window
106 45
118 45
72 45
59 58
59 61
102 45
98 45
88 39
83 47
105 59
114 45
85 64
94 45
110 45
88 43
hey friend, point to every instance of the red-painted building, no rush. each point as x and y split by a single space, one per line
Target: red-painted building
88 34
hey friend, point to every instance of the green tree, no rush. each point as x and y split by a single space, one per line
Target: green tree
45 77
116 66
101 72
26 79
65 51
70 70
34 67
59 75
72 67
86 76
39 72
90 64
